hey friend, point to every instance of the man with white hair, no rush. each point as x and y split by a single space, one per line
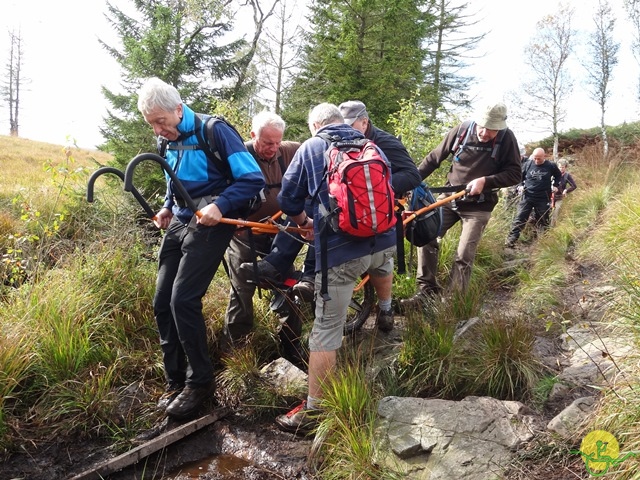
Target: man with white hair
192 247
485 157
347 258
273 156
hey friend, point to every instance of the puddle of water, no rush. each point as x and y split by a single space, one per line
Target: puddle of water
227 465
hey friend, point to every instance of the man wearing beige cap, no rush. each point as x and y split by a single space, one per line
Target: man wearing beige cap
484 158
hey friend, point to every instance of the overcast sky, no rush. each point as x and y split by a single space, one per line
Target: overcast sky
67 66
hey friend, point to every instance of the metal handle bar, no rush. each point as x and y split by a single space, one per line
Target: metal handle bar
101 171
128 186
434 205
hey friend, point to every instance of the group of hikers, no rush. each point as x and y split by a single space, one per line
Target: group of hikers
292 178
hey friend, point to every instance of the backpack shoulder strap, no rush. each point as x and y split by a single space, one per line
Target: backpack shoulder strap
208 142
464 131
497 142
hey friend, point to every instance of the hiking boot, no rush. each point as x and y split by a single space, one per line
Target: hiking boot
168 396
188 401
413 303
304 289
384 320
267 274
300 420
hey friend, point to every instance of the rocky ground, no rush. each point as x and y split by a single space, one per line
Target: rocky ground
232 449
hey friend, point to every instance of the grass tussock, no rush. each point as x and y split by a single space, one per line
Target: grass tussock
345 439
501 361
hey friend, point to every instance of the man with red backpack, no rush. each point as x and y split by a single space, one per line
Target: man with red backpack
348 258
484 158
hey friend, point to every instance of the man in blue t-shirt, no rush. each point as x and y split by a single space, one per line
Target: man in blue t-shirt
540 179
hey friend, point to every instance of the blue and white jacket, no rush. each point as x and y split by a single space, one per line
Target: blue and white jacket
301 181
201 177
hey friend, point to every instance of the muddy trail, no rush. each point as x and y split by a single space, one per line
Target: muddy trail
234 448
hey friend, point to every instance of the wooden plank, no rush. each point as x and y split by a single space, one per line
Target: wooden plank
162 441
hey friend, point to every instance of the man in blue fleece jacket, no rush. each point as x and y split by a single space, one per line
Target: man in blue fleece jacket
347 258
192 248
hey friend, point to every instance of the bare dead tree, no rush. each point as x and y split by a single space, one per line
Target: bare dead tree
14 81
260 16
281 52
602 58
550 83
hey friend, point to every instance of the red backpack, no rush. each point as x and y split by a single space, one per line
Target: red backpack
361 199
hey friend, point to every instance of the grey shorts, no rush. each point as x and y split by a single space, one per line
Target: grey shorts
328 326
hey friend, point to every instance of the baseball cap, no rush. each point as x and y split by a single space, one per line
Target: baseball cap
352 110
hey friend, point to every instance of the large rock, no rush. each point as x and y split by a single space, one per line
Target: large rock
573 418
432 439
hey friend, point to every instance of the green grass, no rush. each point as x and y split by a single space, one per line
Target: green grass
500 359
427 359
345 440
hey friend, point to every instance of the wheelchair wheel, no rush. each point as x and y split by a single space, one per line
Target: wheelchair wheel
360 307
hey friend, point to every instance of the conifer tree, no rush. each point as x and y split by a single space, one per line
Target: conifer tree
369 50
179 41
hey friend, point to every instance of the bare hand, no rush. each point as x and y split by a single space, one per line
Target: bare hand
307 231
163 218
475 187
211 215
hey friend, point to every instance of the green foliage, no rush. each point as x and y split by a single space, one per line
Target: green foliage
175 41
409 122
370 51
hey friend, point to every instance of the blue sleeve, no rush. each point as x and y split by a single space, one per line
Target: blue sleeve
248 178
295 186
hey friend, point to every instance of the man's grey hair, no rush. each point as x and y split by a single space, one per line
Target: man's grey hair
325 114
155 93
267 119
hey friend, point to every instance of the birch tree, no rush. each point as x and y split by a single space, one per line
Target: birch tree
602 58
633 14
550 83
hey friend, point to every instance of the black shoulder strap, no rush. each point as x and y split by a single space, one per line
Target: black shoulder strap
283 169
527 167
496 143
208 143
324 225
463 133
